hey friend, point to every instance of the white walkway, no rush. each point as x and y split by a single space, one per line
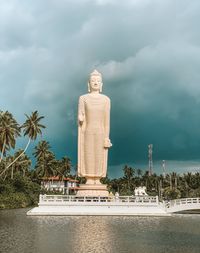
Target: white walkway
179 205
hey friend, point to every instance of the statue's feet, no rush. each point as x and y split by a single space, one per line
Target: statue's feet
97 181
93 181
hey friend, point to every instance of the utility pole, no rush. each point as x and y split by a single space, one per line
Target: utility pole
150 152
164 168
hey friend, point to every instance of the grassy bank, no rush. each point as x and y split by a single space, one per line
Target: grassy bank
18 193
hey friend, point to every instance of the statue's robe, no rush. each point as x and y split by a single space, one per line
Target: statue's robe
94 110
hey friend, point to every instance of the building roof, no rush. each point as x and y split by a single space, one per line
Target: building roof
57 178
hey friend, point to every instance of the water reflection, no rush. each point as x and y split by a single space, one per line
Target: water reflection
93 233
19 233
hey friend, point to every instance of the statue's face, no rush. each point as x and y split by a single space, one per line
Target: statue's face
95 83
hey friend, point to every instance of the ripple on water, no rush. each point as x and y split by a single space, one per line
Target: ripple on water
62 234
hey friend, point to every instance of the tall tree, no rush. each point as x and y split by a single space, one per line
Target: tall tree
64 167
139 172
21 166
41 150
32 127
46 163
129 175
46 166
9 131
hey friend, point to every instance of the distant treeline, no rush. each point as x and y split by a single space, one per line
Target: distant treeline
20 181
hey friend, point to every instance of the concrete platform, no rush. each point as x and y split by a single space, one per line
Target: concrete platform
96 211
90 206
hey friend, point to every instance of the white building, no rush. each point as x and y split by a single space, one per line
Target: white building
56 184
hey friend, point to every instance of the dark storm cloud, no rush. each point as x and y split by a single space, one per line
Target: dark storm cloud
148 52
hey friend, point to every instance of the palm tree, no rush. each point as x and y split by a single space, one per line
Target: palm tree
139 172
145 179
32 128
23 163
3 165
64 166
114 184
21 166
46 163
46 166
128 176
41 150
9 131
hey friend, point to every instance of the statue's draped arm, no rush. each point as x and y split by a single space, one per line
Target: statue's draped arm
81 126
81 110
107 143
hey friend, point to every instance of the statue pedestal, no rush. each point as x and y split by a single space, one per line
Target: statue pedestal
93 190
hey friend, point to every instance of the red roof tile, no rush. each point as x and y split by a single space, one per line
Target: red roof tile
57 178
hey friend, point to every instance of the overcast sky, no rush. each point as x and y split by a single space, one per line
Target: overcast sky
148 52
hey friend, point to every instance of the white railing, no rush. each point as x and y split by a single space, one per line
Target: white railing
86 199
185 201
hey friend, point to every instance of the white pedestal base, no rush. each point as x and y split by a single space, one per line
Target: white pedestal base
92 190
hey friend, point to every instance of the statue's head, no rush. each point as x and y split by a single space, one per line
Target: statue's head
95 82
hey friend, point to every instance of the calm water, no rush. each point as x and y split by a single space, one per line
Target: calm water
19 233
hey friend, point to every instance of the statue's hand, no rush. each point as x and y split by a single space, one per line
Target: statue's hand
107 143
80 119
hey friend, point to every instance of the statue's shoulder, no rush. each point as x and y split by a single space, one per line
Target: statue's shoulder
83 97
106 98
87 96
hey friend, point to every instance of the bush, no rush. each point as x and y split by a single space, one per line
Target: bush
14 200
171 193
194 193
17 193
6 188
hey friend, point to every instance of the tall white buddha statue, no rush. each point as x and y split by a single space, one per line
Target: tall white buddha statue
93 131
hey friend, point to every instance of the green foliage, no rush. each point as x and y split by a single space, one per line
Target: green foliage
170 187
32 126
6 188
194 193
14 200
105 180
9 131
17 193
171 194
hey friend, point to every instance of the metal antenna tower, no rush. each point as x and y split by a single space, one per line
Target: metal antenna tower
164 168
150 151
